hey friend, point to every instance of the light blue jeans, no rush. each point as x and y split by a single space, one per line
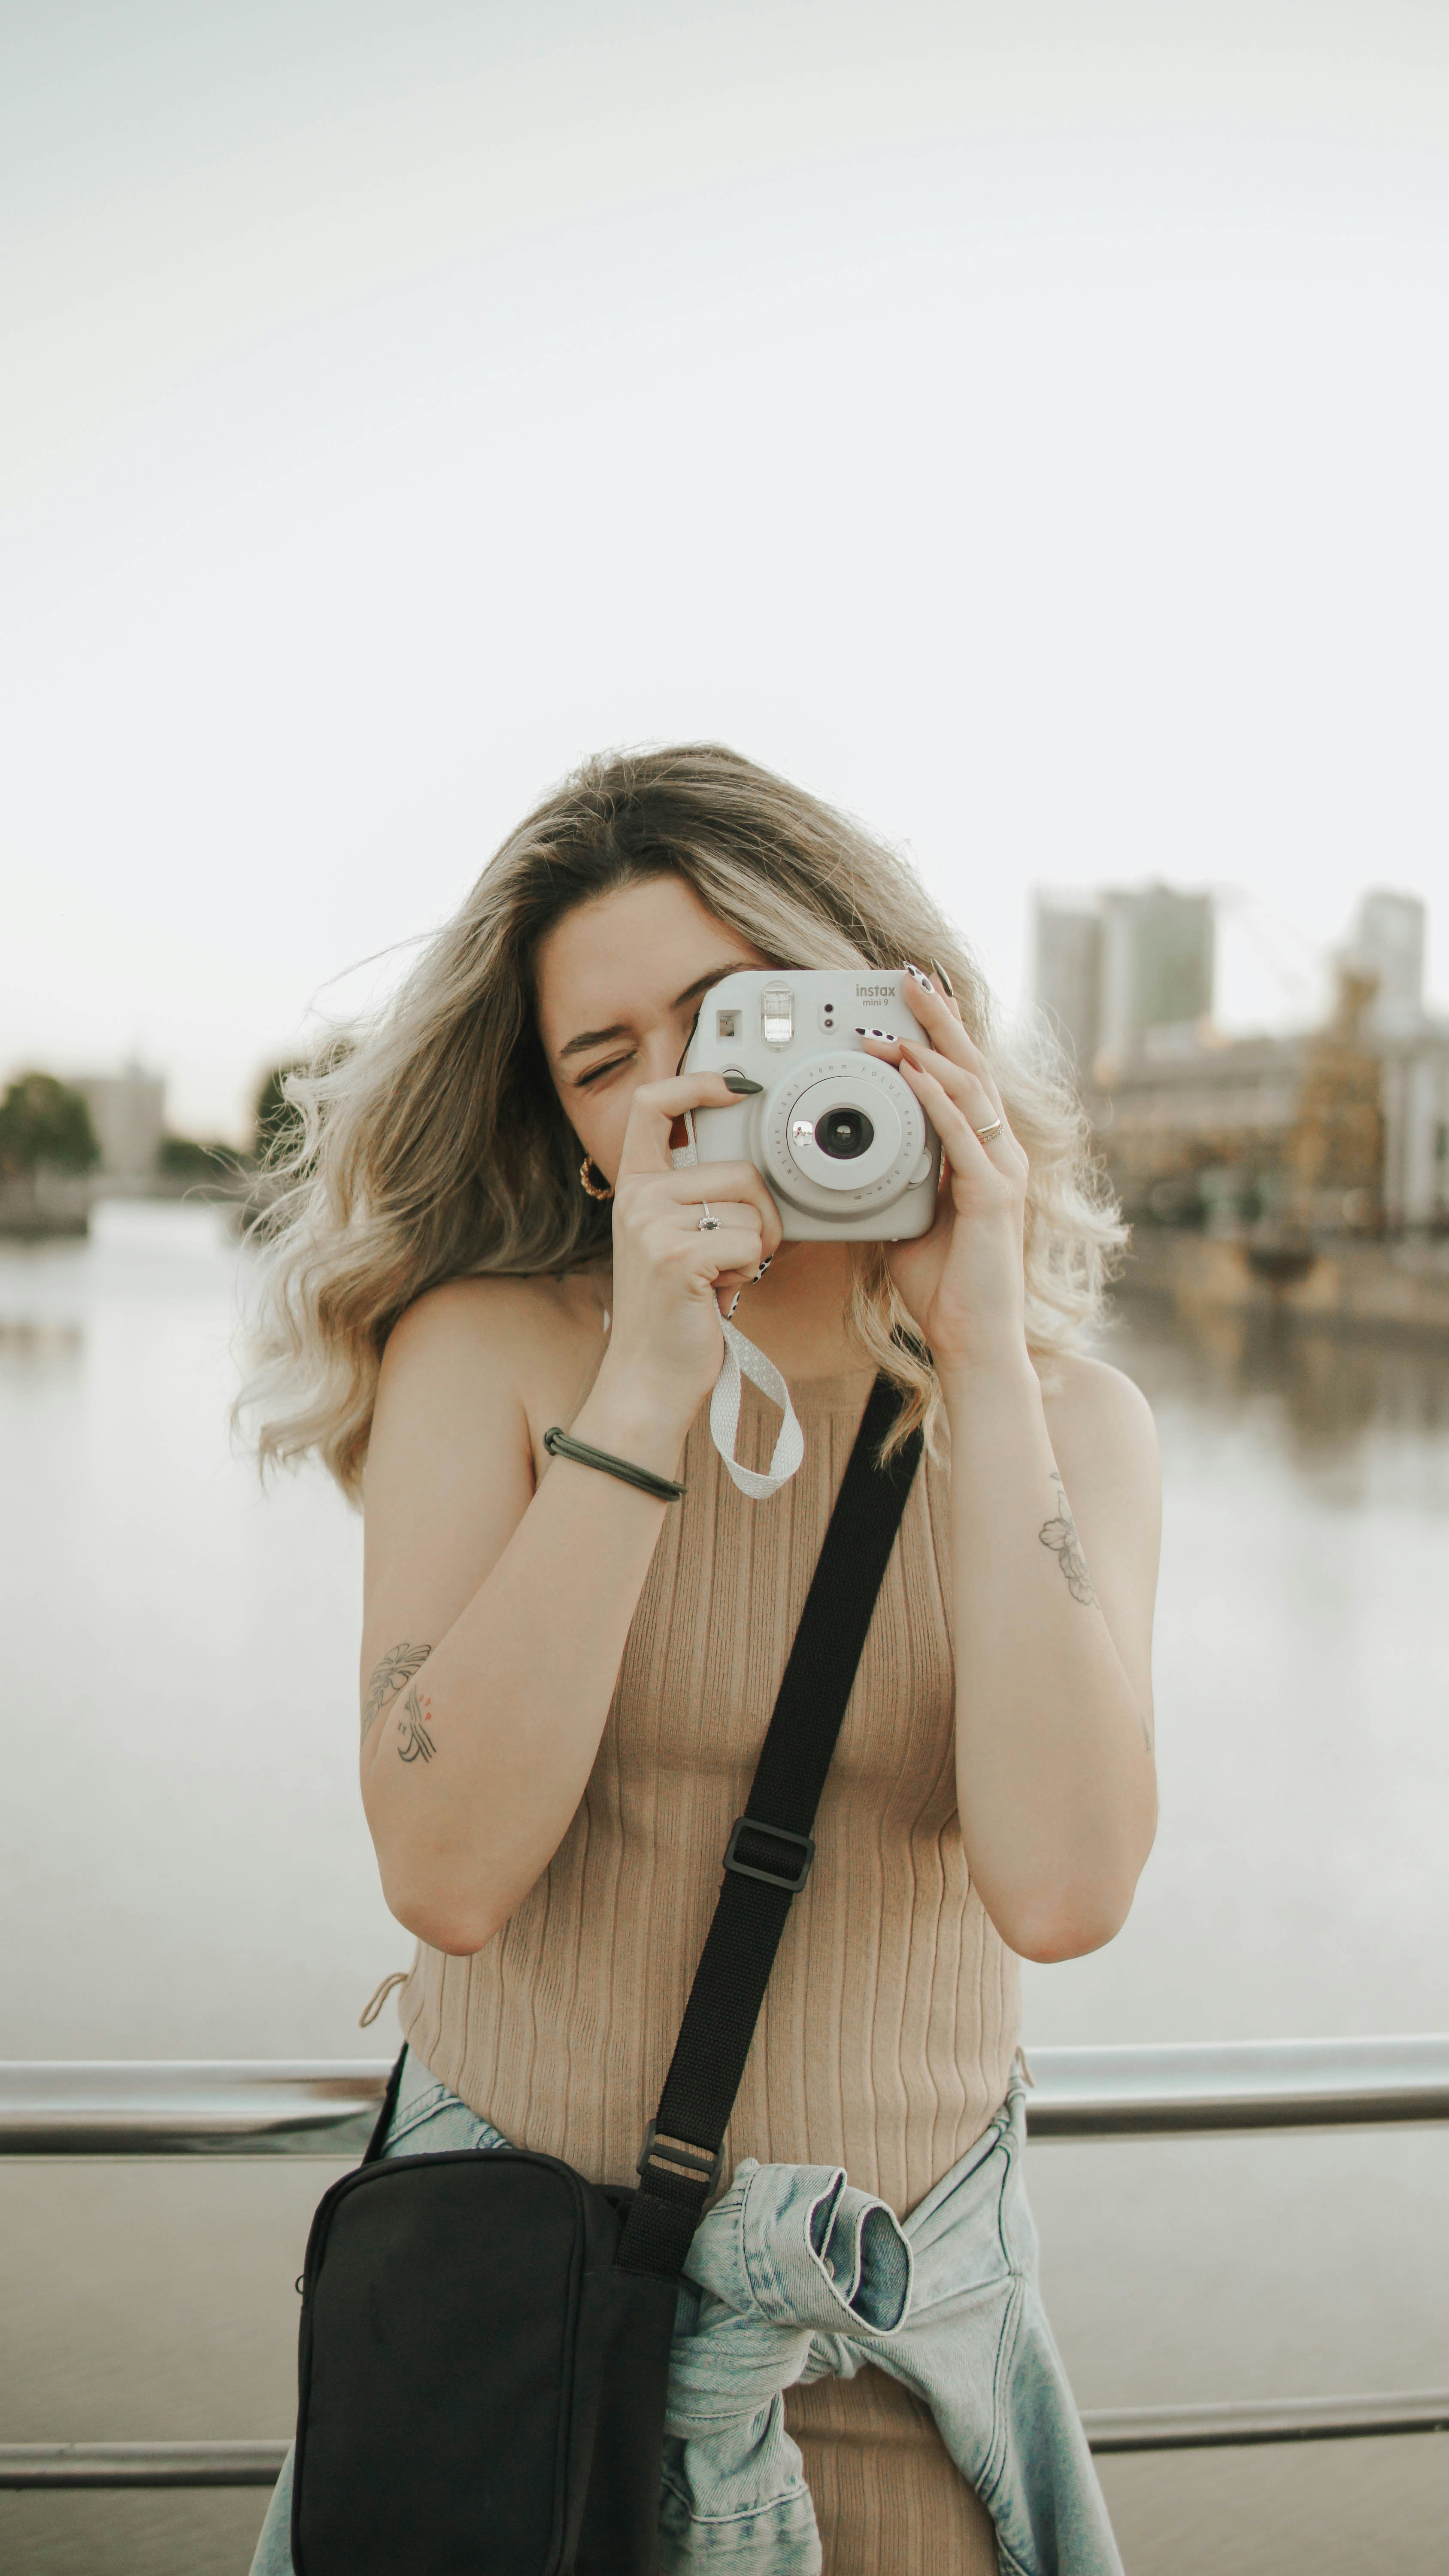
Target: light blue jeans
796 2274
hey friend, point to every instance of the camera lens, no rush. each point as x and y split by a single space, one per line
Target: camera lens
844 1133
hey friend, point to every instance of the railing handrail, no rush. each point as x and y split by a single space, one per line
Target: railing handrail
1108 2429
1188 2087
246 2107
256 2107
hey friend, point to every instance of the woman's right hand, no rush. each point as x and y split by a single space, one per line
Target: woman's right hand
665 1344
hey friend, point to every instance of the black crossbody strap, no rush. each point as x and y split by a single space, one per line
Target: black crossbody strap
770 1850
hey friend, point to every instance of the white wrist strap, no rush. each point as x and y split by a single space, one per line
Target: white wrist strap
742 1360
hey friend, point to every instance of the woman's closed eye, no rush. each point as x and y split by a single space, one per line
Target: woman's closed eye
596 1072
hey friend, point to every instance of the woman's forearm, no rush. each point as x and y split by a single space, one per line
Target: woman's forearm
1055 1777
472 1775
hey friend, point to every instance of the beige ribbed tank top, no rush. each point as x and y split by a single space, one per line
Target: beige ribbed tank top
891 2019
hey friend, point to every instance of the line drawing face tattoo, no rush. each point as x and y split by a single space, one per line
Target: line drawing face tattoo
1060 1535
414 1742
397 1666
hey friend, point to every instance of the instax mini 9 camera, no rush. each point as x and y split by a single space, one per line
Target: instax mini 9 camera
843 1144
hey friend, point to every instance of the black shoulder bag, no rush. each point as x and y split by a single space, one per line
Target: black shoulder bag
485 2337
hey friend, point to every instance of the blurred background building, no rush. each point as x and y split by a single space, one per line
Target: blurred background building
1336 1130
69 1140
128 1113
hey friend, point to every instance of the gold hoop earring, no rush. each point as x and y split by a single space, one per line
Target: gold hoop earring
592 1187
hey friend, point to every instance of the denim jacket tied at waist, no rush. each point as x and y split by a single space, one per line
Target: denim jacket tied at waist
795 2274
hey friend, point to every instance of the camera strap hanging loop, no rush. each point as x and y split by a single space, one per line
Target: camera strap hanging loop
742 1360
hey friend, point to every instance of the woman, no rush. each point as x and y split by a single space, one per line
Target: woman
565 1680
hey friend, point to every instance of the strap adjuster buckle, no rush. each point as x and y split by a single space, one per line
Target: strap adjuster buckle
802 1849
680 2162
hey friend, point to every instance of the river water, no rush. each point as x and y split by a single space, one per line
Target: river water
186 1873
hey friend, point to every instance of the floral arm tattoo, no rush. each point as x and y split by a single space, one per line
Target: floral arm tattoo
1060 1535
414 1742
397 1666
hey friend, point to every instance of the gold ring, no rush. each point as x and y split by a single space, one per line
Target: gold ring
986 1133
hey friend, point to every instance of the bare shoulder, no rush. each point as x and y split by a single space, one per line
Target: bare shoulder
473 1374
1097 1408
530 1344
1105 1442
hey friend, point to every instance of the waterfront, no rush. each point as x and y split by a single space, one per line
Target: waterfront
188 1875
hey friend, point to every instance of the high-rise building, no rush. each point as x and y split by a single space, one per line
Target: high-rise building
1388 943
1157 968
1067 973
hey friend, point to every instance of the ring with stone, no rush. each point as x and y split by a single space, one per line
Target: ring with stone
986 1133
707 1224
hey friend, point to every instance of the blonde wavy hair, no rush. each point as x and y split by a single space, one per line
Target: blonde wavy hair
431 1144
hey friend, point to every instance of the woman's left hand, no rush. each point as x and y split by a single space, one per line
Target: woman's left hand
964 1282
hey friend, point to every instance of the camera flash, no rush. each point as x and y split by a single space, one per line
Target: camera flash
777 1015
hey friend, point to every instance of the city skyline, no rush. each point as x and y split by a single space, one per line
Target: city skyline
1108 966
1028 437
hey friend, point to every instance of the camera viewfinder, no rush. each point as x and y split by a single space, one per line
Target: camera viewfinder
777 1015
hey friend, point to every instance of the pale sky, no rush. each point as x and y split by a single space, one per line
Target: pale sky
1024 424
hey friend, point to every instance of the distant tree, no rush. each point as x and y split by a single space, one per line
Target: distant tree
188 1159
278 1123
43 1121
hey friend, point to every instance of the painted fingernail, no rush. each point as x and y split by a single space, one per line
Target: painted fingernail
887 1036
764 1266
924 981
947 987
741 1082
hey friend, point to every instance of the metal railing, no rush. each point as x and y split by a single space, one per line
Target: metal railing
1109 2430
255 2108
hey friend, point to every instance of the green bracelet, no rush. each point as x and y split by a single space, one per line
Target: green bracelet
561 1444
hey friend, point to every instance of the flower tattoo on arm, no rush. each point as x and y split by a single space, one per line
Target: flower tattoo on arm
414 1742
397 1666
1060 1535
